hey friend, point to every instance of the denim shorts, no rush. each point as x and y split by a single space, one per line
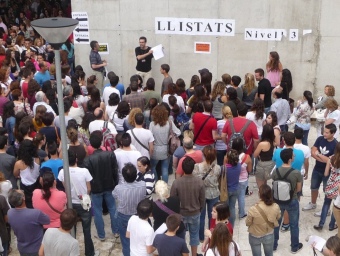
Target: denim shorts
192 224
317 179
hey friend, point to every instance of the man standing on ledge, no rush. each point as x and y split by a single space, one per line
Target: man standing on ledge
97 65
144 57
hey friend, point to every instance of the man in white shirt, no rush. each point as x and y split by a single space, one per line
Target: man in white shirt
126 155
140 231
98 124
141 138
42 100
111 89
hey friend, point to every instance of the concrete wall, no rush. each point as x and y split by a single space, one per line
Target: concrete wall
312 59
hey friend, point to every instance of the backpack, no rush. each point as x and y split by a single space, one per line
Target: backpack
108 138
235 135
282 188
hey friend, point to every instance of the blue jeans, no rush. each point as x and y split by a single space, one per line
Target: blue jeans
220 156
266 110
242 187
284 128
165 168
209 203
122 226
192 223
325 208
86 223
267 241
5 246
232 197
305 136
97 203
293 210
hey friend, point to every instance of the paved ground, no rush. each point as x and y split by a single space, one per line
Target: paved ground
307 220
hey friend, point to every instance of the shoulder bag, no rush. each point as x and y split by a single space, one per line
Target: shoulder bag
333 182
165 209
140 143
264 216
49 204
56 133
201 128
222 184
207 173
173 141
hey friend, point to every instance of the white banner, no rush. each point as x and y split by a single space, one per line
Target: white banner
264 34
192 26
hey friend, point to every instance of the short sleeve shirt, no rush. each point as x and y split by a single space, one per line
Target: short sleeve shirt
264 87
294 177
143 65
325 148
298 160
205 137
96 60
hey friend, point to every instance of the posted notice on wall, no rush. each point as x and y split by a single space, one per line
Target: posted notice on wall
103 48
202 47
193 26
158 52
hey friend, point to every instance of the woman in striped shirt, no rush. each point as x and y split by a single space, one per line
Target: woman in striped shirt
145 174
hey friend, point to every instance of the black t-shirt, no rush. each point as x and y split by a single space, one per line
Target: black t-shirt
266 89
143 65
160 216
232 107
50 133
170 245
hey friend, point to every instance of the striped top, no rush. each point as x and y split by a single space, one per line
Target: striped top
128 196
149 179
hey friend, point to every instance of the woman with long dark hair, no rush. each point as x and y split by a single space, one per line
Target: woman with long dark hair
274 69
121 114
272 121
9 120
172 90
257 115
95 101
303 112
49 199
83 129
27 168
264 153
222 243
195 80
195 103
260 231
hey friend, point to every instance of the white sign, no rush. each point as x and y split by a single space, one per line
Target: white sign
267 34
157 52
192 26
293 35
81 33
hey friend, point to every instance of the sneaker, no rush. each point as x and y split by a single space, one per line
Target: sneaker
318 227
285 228
101 239
97 253
309 206
318 214
298 249
243 216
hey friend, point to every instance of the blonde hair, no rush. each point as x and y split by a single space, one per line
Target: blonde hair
162 190
132 114
219 88
189 133
249 83
226 112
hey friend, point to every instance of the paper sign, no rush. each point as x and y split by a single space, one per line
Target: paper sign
158 52
318 242
266 34
81 33
202 47
161 230
103 48
307 31
293 35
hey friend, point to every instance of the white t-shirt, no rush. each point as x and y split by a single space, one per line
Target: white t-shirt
99 124
145 137
77 114
180 101
141 235
306 153
119 122
79 177
110 110
220 145
80 100
231 250
251 116
57 121
335 115
123 157
107 92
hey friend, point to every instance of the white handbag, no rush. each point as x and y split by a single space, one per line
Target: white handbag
320 115
85 199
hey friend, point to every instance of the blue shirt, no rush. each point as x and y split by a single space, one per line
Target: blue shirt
42 77
54 164
325 148
233 174
296 164
119 87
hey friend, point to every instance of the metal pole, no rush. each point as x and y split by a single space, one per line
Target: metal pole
67 181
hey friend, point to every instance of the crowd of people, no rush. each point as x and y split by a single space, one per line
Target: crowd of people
124 141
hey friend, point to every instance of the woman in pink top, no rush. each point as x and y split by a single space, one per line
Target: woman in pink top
49 200
274 69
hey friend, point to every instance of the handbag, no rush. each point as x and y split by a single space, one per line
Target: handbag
56 133
199 131
173 141
222 184
320 115
140 143
264 216
332 187
49 204
85 199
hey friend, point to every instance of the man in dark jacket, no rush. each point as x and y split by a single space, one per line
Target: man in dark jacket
103 167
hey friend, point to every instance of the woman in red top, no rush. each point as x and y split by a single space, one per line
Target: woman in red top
220 214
